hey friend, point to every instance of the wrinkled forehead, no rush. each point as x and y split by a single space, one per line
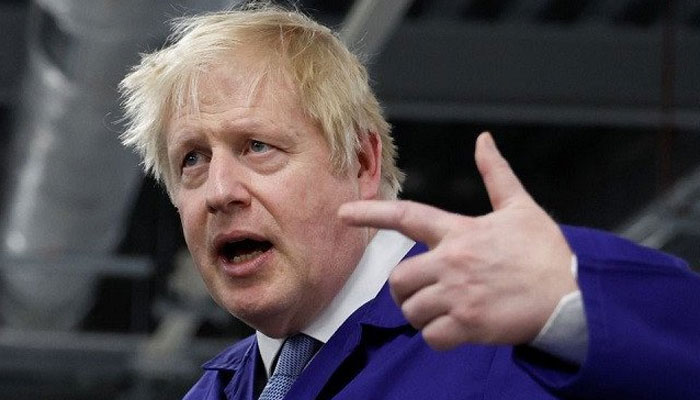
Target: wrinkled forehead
239 78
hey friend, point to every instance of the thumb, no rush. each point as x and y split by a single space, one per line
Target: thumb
501 183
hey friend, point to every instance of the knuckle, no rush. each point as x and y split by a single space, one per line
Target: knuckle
411 314
452 256
397 279
438 341
434 338
468 315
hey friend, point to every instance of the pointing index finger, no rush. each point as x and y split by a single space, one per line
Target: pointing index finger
417 221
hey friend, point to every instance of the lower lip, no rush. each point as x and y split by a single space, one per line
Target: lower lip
247 267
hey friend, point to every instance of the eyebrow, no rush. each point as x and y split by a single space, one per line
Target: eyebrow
183 139
181 135
189 135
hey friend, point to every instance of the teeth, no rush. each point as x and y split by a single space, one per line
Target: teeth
246 257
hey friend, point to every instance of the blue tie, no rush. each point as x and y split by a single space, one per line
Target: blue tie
295 354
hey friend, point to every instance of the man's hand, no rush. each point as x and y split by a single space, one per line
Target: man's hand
490 279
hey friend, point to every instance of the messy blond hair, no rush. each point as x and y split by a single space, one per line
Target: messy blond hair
331 83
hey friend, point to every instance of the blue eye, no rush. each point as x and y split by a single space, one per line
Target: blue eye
190 159
258 147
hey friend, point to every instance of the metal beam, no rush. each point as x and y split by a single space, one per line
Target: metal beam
446 9
525 10
46 353
519 113
80 264
671 222
370 23
605 10
685 10
533 73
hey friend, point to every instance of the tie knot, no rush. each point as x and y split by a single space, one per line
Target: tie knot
295 354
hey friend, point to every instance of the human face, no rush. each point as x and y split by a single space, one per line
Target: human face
258 197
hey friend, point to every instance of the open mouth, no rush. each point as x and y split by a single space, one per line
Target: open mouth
243 250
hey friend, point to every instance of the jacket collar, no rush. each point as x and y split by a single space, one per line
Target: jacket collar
382 311
234 357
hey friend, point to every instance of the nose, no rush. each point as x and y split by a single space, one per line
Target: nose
227 185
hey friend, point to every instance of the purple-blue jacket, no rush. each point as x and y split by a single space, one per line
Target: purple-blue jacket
643 313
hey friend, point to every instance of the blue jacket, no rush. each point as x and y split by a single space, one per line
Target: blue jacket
643 314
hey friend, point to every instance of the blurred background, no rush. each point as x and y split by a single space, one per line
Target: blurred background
596 103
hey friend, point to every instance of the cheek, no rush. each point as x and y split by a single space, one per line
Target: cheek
323 193
316 215
192 229
305 211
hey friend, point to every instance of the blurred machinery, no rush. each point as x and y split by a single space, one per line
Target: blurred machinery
67 200
68 194
672 222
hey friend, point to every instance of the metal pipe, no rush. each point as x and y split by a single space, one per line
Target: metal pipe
71 184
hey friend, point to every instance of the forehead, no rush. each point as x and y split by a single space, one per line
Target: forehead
242 79
234 87
246 88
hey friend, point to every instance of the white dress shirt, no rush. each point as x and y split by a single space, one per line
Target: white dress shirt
561 336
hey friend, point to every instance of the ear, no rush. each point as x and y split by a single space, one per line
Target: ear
369 169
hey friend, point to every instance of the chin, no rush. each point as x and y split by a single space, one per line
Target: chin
272 326
273 317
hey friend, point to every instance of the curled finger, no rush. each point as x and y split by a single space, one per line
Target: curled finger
425 305
411 275
444 333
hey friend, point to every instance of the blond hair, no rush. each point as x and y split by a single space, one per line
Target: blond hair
331 82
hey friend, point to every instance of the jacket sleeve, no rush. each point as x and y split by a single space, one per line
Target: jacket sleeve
643 313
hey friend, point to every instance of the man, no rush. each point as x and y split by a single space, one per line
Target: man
272 146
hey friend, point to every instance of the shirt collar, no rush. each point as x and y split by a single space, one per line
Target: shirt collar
384 252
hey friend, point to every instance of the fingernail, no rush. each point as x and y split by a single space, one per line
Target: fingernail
487 139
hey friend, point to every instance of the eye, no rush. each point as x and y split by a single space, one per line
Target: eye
191 159
258 147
